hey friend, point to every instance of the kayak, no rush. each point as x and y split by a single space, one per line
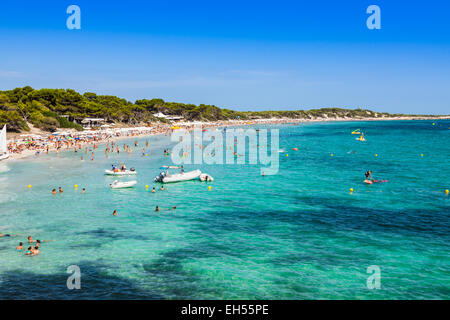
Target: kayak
126 184
119 173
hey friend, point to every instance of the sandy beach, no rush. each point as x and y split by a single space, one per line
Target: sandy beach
107 136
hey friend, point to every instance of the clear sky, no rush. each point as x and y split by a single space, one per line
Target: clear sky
244 55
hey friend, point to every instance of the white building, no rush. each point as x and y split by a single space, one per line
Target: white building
90 122
162 115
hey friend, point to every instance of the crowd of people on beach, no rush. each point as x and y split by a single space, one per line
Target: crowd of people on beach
29 144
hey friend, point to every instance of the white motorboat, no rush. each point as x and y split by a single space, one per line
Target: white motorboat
122 184
3 145
206 177
120 173
165 177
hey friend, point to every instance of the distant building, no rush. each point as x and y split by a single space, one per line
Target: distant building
162 115
92 122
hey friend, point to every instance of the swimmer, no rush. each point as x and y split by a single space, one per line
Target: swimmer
153 190
60 190
115 213
36 251
30 239
83 191
20 246
173 208
6 235
54 191
29 252
162 188
38 243
157 208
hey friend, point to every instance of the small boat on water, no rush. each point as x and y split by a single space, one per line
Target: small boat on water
122 184
120 173
165 177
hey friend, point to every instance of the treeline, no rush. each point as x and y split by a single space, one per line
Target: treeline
50 109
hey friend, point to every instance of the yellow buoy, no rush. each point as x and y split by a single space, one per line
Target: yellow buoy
29 186
332 155
146 186
209 187
446 191
76 186
376 154
287 155
351 190
421 154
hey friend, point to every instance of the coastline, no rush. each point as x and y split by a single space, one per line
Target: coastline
27 154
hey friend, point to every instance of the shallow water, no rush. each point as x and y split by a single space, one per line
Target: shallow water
296 235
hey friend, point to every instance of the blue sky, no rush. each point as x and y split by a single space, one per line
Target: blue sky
244 55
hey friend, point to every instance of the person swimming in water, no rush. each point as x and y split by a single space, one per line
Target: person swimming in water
115 213
54 191
83 191
7 235
29 252
20 246
153 190
60 190
162 188
157 208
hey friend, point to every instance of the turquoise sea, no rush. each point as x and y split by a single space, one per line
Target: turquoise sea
299 234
